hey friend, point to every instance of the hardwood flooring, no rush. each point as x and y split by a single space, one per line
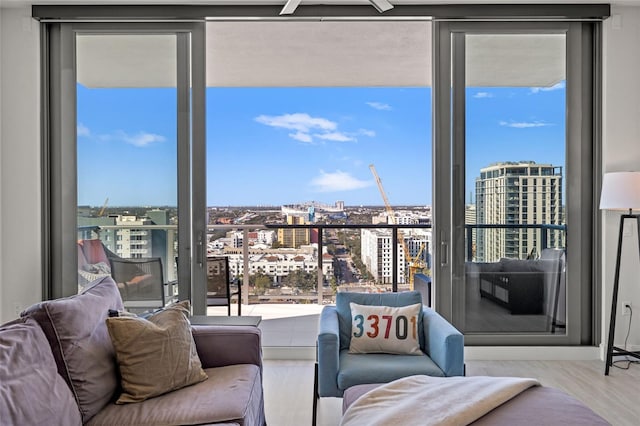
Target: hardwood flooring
288 388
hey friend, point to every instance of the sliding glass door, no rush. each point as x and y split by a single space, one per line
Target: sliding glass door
126 142
514 239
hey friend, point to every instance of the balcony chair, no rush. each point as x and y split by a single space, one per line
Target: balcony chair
218 284
440 353
140 282
93 261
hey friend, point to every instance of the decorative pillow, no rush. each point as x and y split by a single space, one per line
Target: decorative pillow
77 334
344 298
385 329
31 390
155 355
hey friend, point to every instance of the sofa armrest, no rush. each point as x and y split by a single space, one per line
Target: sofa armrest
444 343
328 352
220 345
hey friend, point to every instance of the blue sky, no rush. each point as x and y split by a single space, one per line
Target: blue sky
272 146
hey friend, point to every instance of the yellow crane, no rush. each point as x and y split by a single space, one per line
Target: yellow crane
416 264
104 207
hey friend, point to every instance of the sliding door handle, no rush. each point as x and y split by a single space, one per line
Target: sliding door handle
444 253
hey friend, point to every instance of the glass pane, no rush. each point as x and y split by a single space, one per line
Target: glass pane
301 116
515 169
126 156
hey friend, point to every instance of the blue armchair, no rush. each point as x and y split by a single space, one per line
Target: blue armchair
336 369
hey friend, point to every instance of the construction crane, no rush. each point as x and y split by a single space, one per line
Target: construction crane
104 207
416 264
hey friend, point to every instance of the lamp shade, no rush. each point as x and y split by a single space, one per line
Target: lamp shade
620 191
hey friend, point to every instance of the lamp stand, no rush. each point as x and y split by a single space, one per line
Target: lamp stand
611 349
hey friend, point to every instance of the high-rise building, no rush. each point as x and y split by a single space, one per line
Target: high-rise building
376 254
470 219
294 237
517 193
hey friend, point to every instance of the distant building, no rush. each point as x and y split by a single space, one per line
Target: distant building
377 255
294 237
470 219
517 194
129 237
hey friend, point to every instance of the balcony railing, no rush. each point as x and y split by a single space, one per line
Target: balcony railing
512 230
322 292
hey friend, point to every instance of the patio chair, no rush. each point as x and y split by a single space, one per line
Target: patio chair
219 291
140 282
337 368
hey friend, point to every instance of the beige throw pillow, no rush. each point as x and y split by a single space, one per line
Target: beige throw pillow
155 355
385 329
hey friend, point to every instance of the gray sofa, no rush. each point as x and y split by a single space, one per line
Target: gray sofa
58 367
524 287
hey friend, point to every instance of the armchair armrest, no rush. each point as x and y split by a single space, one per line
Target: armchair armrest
328 352
443 343
220 345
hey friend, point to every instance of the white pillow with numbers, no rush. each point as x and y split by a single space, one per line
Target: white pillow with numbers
385 329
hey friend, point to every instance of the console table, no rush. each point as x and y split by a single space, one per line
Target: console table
520 292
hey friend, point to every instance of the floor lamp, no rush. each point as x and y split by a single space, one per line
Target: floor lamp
620 191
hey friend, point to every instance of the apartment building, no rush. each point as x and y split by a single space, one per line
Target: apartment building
517 193
294 237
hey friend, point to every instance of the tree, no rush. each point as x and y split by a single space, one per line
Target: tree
260 282
301 279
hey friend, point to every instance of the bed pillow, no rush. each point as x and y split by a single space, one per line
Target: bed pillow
385 329
155 355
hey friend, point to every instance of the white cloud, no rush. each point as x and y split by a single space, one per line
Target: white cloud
335 136
141 139
83 130
338 181
557 86
481 95
367 132
525 124
301 122
380 106
301 136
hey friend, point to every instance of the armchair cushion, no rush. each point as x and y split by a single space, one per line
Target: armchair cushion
356 369
343 300
385 329
155 355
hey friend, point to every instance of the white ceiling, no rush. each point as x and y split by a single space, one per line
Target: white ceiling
327 53
319 54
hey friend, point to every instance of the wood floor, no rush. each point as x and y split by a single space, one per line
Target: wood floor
288 388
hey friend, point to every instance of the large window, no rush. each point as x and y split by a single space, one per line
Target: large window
291 123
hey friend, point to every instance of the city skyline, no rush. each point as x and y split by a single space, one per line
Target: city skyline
274 146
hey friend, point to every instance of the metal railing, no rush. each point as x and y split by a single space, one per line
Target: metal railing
544 230
94 231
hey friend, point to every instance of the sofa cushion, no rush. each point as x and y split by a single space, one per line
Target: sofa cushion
155 355
518 265
77 333
385 329
343 299
232 394
31 390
